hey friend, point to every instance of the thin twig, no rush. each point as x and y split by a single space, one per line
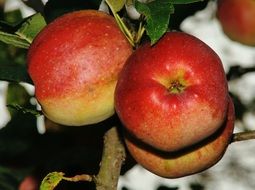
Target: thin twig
238 71
243 136
82 177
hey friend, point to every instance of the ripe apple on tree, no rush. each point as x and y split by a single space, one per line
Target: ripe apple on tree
74 63
237 20
193 159
172 94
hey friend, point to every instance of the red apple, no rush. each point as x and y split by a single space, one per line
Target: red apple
237 18
29 183
192 160
172 94
74 63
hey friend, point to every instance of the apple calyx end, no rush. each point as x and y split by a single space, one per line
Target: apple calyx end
176 87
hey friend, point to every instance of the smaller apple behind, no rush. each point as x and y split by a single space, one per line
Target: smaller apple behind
237 19
172 94
191 160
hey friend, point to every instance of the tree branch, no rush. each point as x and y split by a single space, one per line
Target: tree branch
112 159
107 179
243 136
82 177
238 71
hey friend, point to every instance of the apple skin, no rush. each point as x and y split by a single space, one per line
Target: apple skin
29 183
237 20
188 161
74 63
173 94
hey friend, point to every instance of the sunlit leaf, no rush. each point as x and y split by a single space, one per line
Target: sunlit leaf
51 180
116 5
24 35
13 39
30 28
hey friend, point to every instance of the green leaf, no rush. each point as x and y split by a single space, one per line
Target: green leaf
13 39
51 180
13 17
157 15
116 5
14 73
24 110
184 1
16 95
31 27
27 30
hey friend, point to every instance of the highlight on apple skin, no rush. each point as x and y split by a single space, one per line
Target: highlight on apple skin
172 94
193 159
74 63
237 20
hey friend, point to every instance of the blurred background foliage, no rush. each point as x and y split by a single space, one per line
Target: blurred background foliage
25 152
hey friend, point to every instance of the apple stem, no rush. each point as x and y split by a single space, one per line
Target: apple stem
125 29
243 136
134 37
140 33
122 25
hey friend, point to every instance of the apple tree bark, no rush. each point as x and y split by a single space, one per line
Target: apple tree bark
112 159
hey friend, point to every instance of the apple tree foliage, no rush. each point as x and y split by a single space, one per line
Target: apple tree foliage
23 151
